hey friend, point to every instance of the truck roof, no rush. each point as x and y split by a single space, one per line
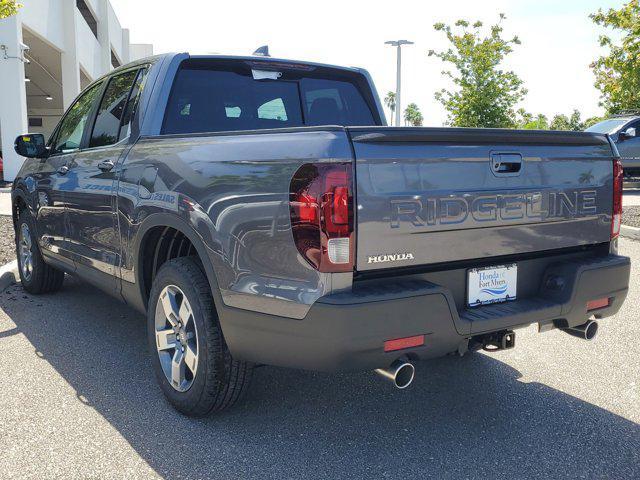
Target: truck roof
257 58
248 58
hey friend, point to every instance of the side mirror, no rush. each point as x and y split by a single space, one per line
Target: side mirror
628 133
31 145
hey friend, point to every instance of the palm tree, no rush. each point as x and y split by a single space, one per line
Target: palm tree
417 118
390 101
413 116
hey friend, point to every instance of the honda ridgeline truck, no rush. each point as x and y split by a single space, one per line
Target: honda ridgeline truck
260 211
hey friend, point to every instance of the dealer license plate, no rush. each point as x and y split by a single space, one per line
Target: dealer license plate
492 284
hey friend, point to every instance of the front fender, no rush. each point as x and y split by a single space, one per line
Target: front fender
19 193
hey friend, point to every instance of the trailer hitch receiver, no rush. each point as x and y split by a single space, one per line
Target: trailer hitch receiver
504 340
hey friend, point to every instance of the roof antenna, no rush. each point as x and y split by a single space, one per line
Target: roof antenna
262 51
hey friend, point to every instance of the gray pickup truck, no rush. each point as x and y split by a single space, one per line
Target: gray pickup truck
259 211
624 130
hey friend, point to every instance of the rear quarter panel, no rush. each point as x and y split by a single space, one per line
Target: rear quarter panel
233 190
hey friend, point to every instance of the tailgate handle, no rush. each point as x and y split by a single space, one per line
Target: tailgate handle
506 164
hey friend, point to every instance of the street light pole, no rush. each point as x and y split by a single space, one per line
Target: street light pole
398 44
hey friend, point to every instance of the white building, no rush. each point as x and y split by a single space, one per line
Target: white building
49 52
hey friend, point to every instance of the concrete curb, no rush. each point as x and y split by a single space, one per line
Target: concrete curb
630 232
8 274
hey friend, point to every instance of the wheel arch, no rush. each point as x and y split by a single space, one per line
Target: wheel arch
145 231
19 201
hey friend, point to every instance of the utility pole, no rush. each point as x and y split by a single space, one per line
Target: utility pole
398 44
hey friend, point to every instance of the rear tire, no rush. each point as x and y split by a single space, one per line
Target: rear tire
35 275
190 358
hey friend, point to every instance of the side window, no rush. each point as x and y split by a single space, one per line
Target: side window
106 130
132 104
70 132
629 147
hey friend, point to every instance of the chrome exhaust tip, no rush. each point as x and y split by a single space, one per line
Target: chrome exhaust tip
400 373
586 331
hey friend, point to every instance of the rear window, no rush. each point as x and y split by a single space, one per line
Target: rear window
608 126
224 96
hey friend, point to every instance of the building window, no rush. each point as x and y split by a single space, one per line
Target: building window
115 63
88 16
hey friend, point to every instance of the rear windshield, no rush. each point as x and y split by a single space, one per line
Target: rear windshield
608 126
213 96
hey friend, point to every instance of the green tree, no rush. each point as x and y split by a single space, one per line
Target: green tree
390 102
541 122
560 122
485 95
564 122
8 8
618 72
413 116
527 121
523 118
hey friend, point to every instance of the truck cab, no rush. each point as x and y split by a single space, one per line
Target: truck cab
624 130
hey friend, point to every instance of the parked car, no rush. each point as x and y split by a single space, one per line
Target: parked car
260 211
624 130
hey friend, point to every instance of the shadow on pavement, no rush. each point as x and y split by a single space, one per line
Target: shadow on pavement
463 418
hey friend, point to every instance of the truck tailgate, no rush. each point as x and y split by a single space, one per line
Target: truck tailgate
428 196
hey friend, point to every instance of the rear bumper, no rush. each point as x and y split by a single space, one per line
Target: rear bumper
631 163
346 331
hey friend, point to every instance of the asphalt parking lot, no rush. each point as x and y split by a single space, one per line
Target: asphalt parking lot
79 401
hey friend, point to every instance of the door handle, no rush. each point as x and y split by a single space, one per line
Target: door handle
63 170
506 164
508 167
106 165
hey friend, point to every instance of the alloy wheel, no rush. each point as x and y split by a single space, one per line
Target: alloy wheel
176 338
25 252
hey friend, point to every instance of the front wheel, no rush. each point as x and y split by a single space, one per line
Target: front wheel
190 357
35 275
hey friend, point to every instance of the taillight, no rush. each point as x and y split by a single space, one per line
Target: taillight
616 219
321 206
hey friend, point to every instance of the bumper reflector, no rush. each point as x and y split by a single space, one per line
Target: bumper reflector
402 343
599 303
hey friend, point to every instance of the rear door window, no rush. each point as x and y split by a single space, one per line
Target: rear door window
215 96
106 130
132 104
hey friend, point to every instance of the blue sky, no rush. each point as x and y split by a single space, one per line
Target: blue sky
559 41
